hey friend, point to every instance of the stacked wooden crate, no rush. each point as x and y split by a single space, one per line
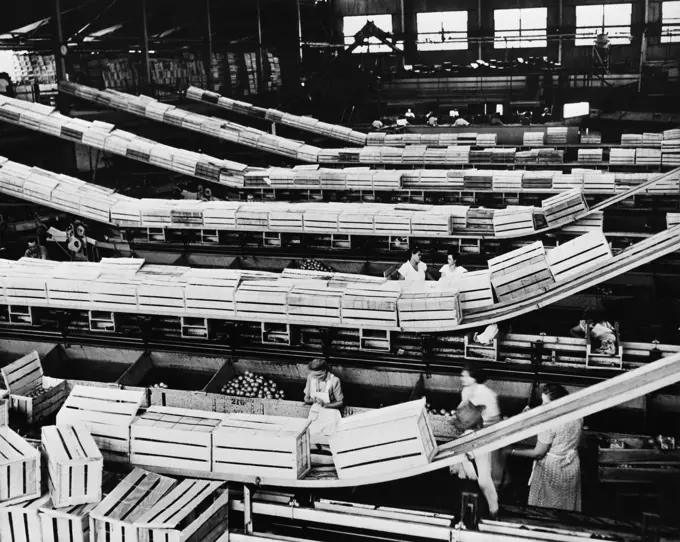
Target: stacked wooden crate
574 257
632 140
174 438
256 445
621 156
591 138
564 207
556 135
590 156
66 524
648 156
383 441
652 139
210 292
533 139
521 272
74 464
21 521
115 516
33 396
19 469
107 414
670 147
424 309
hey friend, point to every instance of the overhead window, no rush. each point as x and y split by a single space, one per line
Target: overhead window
515 28
442 31
351 25
670 22
611 19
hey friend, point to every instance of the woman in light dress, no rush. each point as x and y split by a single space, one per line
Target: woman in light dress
452 270
556 477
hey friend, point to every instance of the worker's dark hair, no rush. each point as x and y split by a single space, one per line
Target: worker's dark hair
595 314
414 250
475 372
453 253
318 364
554 391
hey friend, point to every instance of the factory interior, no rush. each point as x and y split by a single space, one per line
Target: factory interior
431 245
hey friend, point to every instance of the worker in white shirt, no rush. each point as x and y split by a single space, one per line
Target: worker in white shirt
478 394
452 270
460 121
414 270
410 115
323 392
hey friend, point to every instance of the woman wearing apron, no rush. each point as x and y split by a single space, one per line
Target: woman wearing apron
556 476
324 392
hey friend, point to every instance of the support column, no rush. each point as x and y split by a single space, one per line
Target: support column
60 51
559 29
299 29
209 43
643 46
479 28
247 508
258 52
409 31
147 65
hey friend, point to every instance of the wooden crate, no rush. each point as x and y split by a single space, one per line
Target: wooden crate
107 414
265 299
422 309
520 272
371 305
19 467
480 220
385 440
195 510
210 292
74 465
174 437
258 445
33 395
20 522
69 524
114 517
564 207
475 290
513 221
574 257
314 302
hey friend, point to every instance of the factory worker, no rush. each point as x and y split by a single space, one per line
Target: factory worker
409 115
36 251
600 330
475 467
324 392
414 270
452 270
556 477
478 394
377 124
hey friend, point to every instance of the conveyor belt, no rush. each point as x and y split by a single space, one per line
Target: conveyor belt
89 201
607 394
300 294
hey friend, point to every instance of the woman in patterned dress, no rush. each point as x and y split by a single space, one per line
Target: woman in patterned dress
556 477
